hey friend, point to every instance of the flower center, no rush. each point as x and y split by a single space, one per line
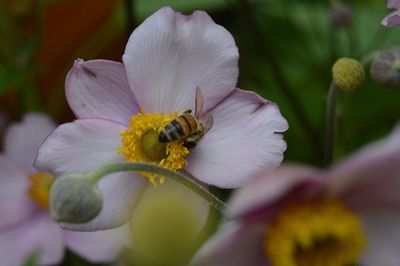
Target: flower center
140 143
40 187
322 233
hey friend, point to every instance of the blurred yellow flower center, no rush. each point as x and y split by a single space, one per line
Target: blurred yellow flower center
322 233
40 187
140 143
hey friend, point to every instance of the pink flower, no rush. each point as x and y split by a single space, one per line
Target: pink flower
121 109
25 225
393 18
348 215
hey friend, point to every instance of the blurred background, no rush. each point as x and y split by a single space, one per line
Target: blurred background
287 48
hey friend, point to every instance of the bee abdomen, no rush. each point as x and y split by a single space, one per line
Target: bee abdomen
172 131
179 128
188 123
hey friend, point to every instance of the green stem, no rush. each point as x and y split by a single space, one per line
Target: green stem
330 123
102 171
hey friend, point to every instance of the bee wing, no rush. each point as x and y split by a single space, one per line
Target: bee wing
198 103
208 122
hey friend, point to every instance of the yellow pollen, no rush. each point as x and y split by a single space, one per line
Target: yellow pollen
312 233
40 187
140 143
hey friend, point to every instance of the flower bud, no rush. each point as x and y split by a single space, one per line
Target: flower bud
348 74
340 15
385 68
176 217
73 199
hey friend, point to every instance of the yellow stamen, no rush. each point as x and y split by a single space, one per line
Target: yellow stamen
140 143
322 233
40 188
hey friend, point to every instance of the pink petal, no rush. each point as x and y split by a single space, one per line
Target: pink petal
393 4
38 234
264 192
23 139
392 19
84 145
99 89
96 247
371 177
383 233
80 146
120 192
242 141
233 245
170 54
15 204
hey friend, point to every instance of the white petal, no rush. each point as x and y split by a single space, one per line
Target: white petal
383 232
99 89
266 188
170 54
233 245
23 139
393 4
80 146
39 234
392 19
84 145
15 204
242 141
96 247
370 177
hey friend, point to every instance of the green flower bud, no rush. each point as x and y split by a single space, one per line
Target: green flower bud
73 199
385 68
348 74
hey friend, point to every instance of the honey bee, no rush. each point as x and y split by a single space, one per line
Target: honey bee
188 127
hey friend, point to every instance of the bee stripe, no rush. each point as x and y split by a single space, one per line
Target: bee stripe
178 128
173 131
191 121
187 123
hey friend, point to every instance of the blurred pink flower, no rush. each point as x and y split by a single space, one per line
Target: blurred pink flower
166 58
393 18
25 225
348 215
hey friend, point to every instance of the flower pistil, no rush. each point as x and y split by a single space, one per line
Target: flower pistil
140 143
322 233
40 187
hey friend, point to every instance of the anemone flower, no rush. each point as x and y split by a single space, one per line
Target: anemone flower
26 227
295 215
122 108
393 18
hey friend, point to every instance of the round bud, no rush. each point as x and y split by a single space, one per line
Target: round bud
385 68
348 74
73 199
340 15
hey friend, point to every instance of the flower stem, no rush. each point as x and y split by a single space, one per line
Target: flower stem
330 123
104 170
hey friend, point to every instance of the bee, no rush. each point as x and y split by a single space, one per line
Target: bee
188 127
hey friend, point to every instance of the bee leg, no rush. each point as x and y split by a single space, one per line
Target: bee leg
187 111
189 145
